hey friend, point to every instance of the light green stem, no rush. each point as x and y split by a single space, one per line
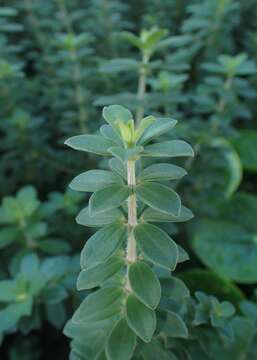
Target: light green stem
141 88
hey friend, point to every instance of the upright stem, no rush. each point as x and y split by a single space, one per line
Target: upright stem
82 114
132 213
141 88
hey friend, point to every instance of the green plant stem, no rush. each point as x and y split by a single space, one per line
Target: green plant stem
141 88
131 254
76 70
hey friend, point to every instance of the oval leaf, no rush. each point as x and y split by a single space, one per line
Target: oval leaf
158 172
103 244
100 305
228 249
158 127
121 343
94 180
140 318
159 197
152 215
145 284
101 219
171 148
108 198
90 143
156 245
96 275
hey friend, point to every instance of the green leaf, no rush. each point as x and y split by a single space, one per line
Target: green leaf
228 249
174 326
121 343
118 167
7 291
117 65
140 318
52 246
132 39
101 219
144 284
144 124
182 254
98 274
152 215
115 114
156 350
103 244
27 198
171 148
126 154
158 127
159 197
246 144
10 315
173 288
160 172
53 294
108 132
8 236
212 284
90 143
108 198
156 245
151 38
100 305
233 165
94 180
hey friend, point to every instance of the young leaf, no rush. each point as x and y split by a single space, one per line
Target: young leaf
121 343
115 114
140 318
103 244
98 274
144 284
158 127
100 305
156 245
159 197
108 198
94 180
170 148
108 132
144 124
159 172
90 143
100 219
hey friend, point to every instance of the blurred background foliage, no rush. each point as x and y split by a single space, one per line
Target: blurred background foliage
60 62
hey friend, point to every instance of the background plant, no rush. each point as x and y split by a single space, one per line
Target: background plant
58 60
